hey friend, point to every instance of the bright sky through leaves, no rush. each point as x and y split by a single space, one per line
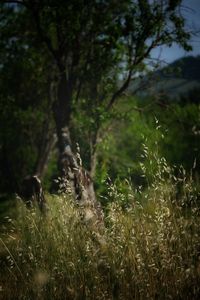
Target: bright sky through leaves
191 11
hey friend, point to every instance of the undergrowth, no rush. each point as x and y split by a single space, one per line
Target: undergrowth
148 250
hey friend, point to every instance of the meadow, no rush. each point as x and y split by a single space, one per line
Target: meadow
148 248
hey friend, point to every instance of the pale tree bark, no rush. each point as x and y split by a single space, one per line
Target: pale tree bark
70 169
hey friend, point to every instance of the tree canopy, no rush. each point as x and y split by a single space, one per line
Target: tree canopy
67 62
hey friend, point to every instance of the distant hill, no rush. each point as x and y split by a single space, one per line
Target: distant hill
187 68
175 80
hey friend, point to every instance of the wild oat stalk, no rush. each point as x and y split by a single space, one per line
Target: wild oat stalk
148 250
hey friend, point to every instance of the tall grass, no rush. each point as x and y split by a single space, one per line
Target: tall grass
149 249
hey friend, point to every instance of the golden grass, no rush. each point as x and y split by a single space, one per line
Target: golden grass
150 250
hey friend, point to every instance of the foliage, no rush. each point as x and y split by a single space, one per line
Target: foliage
24 101
74 53
181 143
149 130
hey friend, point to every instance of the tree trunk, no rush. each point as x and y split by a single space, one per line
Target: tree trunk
31 192
47 144
48 136
70 170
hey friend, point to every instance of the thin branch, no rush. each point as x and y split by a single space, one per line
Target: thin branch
80 84
44 37
120 90
127 81
30 5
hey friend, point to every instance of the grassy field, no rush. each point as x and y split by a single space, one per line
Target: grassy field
147 250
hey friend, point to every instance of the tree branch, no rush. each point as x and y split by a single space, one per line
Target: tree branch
136 62
120 90
30 5
44 37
